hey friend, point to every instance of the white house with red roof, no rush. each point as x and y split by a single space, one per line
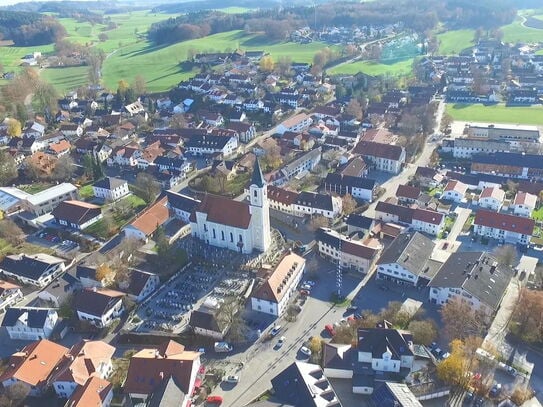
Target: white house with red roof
455 191
272 297
492 198
503 227
524 204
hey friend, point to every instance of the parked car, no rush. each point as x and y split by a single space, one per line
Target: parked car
479 402
306 351
511 370
495 390
275 330
306 287
330 329
232 379
281 342
309 282
214 400
305 292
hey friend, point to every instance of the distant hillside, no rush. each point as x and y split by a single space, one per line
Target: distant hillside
26 29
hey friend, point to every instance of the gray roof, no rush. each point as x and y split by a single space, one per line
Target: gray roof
109 183
395 395
309 156
181 202
359 221
412 252
478 273
315 200
512 159
34 318
257 178
28 266
379 340
168 393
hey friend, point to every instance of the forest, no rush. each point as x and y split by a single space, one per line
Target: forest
416 15
27 28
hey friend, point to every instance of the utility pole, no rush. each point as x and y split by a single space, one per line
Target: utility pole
339 275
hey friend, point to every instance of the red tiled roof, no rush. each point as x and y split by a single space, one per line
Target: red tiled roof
506 222
493 192
152 217
524 198
60 147
435 218
407 191
224 211
457 186
281 195
277 284
93 393
369 148
150 366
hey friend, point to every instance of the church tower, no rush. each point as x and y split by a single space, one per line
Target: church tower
260 210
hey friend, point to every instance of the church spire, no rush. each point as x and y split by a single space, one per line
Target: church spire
257 178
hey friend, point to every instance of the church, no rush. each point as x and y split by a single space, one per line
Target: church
240 226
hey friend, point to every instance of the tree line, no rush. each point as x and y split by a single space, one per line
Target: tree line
27 29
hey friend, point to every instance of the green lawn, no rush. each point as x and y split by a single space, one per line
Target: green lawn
6 248
86 192
403 67
66 79
496 113
10 56
160 65
452 42
516 32
538 214
35 187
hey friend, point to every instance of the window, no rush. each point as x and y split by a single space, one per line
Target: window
222 234
231 237
255 193
241 238
214 234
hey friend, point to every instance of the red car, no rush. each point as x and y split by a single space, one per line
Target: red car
330 329
304 292
214 400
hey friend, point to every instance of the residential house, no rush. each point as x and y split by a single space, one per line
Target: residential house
141 285
394 394
95 392
509 165
491 198
297 123
475 278
524 204
454 191
124 156
355 167
422 220
407 194
150 368
428 177
177 164
59 149
357 187
88 279
246 131
312 203
466 147
503 227
204 322
71 129
29 323
381 354
42 163
134 108
358 223
98 306
147 222
408 260
508 132
301 165
36 269
84 360
353 254
304 384
34 129
383 157
10 294
77 214
110 189
274 294
181 205
208 144
282 199
34 365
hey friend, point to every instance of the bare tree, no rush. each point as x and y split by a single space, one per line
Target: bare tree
349 204
147 187
64 169
319 221
17 393
8 168
11 232
461 320
506 254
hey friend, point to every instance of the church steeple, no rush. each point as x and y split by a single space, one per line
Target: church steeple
257 178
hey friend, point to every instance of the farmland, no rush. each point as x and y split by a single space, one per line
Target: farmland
518 32
66 79
453 42
160 65
395 68
496 113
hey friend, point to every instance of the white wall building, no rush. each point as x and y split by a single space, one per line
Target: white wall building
110 188
273 296
29 323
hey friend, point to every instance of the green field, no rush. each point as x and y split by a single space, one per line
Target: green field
160 65
452 42
516 32
496 113
66 79
403 67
